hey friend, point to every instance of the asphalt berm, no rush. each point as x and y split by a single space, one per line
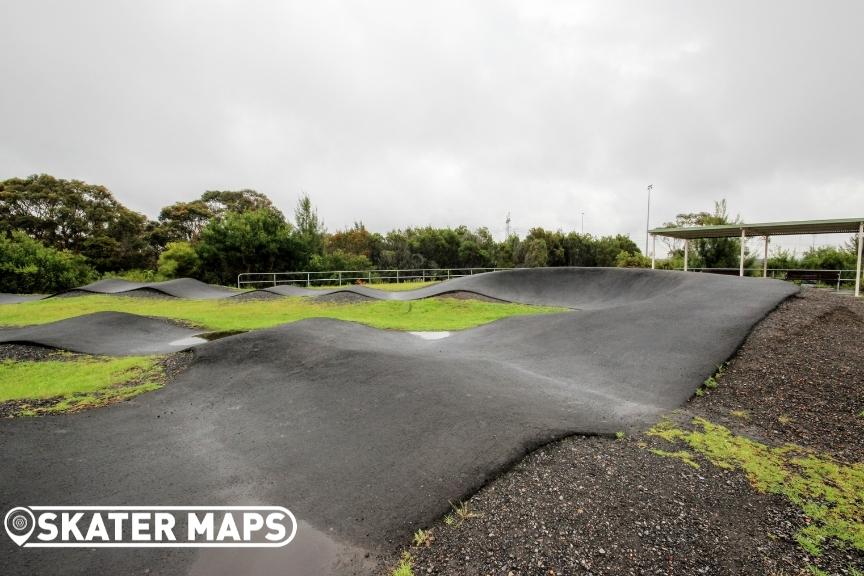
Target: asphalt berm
594 505
365 434
107 333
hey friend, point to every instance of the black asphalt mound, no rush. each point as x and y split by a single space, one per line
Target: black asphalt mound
367 434
17 298
580 288
179 288
108 333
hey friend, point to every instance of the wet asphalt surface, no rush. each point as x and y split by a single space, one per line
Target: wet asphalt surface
365 434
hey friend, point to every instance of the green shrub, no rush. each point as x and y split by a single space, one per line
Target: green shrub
829 258
339 260
28 266
136 275
632 260
254 241
179 260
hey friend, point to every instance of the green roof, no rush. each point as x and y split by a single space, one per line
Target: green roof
841 225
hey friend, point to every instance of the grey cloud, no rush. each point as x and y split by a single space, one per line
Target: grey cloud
410 113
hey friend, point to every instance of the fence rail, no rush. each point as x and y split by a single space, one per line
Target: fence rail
340 277
799 274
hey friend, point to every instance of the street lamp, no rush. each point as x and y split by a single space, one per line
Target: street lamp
648 218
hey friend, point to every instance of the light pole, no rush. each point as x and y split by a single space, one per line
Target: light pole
648 218
583 222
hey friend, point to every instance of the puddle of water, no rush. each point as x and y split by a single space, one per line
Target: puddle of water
190 341
206 337
431 335
312 552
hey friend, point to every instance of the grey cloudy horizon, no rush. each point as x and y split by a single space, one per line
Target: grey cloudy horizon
404 113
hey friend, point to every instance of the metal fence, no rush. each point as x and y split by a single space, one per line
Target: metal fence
341 277
810 275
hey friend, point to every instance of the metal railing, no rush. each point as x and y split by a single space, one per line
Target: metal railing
340 277
836 277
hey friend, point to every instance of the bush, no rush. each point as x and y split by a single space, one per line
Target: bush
339 260
136 275
535 253
28 266
254 241
632 260
179 260
829 258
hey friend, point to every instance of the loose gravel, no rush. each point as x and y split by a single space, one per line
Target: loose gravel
32 353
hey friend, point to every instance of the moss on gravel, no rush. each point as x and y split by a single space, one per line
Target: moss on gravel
830 493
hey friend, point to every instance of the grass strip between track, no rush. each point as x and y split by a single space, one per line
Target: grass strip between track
223 315
75 383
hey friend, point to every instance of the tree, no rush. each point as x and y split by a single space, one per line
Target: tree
309 228
76 216
711 252
829 258
183 221
507 252
339 260
607 249
535 253
783 259
579 250
220 202
179 260
256 241
28 266
632 260
354 240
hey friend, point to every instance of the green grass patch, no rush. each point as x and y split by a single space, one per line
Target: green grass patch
405 567
226 315
830 493
76 384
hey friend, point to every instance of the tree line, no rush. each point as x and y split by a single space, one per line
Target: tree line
57 233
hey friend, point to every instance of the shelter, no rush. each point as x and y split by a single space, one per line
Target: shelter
765 230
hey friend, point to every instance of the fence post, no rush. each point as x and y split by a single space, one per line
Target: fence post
340 278
308 279
397 276
370 277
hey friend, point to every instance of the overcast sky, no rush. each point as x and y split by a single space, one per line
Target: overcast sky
411 113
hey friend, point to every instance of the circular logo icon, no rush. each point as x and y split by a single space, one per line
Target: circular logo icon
19 523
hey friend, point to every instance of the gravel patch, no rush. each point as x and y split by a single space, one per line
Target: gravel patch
799 377
33 353
342 298
465 295
137 293
593 505
256 295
